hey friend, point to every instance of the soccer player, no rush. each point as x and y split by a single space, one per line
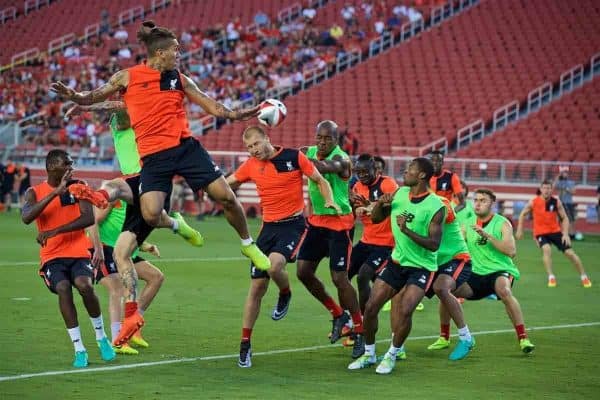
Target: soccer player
454 268
329 234
154 94
377 241
125 229
65 259
492 247
446 183
546 211
110 223
278 173
379 165
417 216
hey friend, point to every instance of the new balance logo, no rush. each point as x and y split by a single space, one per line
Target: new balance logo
444 185
449 269
482 241
173 84
89 266
375 194
423 279
291 246
376 262
48 273
289 166
342 262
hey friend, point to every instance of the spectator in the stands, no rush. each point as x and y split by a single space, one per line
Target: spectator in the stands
348 13
309 14
121 34
336 31
261 19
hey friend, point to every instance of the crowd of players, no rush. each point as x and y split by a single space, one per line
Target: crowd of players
420 239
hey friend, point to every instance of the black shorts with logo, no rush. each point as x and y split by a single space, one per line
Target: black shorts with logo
323 242
109 266
485 285
552 239
458 270
370 254
65 269
189 160
284 237
398 276
134 221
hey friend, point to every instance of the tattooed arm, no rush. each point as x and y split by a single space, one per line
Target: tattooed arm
213 107
108 106
117 82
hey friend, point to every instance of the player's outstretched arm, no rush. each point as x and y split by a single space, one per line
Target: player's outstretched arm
325 190
33 208
505 245
233 183
434 235
213 107
458 193
522 216
105 106
117 82
337 165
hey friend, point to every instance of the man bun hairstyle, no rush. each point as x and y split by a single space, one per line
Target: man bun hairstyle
154 37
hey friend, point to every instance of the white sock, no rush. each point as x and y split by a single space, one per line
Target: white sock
392 351
464 334
174 225
75 335
584 276
98 325
247 242
370 350
551 276
115 328
349 324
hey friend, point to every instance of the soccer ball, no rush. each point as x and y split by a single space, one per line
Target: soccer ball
272 113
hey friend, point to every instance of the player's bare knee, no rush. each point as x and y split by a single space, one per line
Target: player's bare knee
84 288
228 200
156 278
63 288
504 293
259 288
340 280
304 273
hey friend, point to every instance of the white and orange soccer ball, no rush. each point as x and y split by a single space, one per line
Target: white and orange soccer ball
272 113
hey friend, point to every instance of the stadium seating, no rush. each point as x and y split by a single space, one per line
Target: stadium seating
63 17
566 130
446 78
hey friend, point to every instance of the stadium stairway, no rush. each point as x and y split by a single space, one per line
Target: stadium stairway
426 89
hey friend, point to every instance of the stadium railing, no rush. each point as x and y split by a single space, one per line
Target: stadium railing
376 46
537 98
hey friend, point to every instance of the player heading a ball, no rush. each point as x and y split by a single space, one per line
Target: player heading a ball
272 113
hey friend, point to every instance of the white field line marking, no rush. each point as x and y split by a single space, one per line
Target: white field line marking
262 353
153 259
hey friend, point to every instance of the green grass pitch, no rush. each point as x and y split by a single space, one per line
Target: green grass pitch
194 327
